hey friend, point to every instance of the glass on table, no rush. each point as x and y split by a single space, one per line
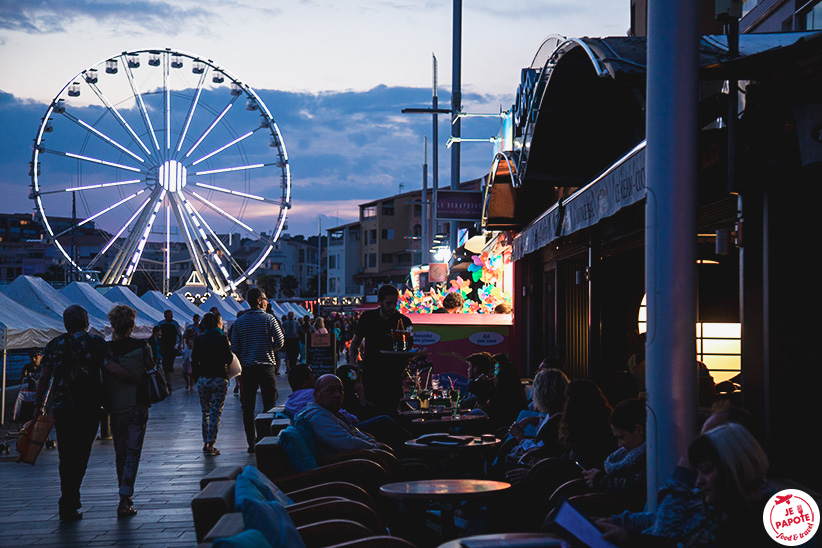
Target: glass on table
423 397
454 396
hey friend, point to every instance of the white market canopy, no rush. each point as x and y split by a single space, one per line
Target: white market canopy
228 312
157 300
37 295
123 295
184 304
24 328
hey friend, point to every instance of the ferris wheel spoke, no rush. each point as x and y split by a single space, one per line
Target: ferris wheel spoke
102 136
119 233
120 262
141 245
216 238
222 148
92 160
235 168
101 212
237 193
139 97
212 126
194 250
211 252
113 110
91 187
227 215
194 101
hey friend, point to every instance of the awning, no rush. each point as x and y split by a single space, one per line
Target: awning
621 185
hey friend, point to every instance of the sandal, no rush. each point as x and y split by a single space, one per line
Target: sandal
126 511
213 452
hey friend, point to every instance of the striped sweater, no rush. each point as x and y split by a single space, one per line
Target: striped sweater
255 338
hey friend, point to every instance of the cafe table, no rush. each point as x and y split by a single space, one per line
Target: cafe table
457 459
466 422
446 493
507 540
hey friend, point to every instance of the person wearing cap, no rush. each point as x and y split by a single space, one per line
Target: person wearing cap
32 369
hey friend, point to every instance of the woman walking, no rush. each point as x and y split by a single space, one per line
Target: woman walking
210 358
127 402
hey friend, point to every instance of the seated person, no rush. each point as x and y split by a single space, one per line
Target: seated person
549 397
624 472
301 381
321 419
730 470
508 396
354 395
480 384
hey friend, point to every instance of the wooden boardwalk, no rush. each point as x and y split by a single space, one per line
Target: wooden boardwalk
170 470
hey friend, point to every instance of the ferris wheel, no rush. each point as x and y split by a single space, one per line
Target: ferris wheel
152 161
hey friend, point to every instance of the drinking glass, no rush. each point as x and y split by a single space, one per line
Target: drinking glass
423 396
454 396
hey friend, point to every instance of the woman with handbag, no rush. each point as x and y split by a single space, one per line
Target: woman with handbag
127 403
210 359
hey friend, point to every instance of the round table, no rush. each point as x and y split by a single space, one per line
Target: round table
457 460
446 493
448 423
541 540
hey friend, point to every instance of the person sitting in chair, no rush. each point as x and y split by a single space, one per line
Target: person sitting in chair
322 420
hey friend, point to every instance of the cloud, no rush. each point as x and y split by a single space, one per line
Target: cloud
355 147
45 17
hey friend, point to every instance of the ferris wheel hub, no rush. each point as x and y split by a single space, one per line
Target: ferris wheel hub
172 175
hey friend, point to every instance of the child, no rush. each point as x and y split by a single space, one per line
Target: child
624 472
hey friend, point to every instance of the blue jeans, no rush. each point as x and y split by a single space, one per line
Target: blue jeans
128 431
76 428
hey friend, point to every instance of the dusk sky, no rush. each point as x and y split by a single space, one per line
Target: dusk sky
334 75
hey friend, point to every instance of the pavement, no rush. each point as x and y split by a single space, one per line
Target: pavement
171 466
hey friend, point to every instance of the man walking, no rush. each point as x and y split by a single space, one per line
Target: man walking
170 337
75 360
291 330
256 337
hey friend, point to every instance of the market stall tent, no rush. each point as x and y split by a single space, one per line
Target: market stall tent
157 300
22 328
228 313
37 295
123 295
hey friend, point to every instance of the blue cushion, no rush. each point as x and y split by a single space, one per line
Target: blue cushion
267 489
244 489
272 520
299 456
304 428
247 539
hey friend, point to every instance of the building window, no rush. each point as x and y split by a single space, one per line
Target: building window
372 260
387 233
368 212
388 207
387 258
810 18
372 237
332 261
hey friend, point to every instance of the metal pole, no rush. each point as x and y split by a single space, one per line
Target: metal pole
424 247
435 153
670 234
319 261
456 106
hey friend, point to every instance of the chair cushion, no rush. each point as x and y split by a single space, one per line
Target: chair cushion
272 520
299 455
247 539
253 484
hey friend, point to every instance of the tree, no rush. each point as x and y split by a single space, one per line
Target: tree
289 285
269 284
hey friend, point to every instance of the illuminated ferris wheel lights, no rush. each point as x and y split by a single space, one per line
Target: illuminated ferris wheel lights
101 185
102 162
229 169
223 212
207 131
222 148
109 139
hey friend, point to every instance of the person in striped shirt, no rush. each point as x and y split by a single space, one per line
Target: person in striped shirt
256 337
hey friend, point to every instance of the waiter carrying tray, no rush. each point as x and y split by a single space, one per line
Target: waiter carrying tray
382 374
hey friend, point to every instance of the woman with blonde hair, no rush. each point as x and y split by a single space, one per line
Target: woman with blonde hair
127 403
319 325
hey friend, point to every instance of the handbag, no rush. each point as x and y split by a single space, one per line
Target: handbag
157 386
234 368
32 437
